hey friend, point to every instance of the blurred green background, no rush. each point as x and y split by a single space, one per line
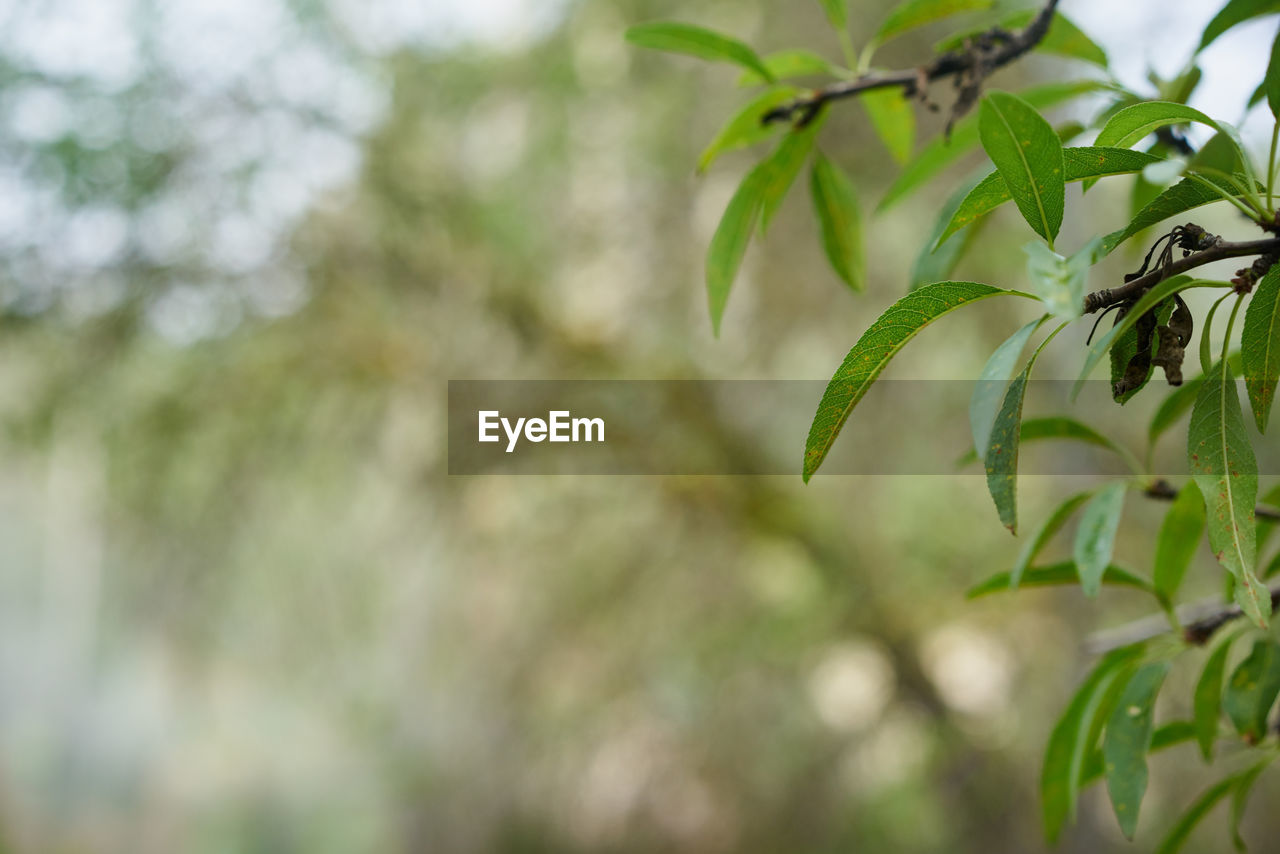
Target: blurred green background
244 245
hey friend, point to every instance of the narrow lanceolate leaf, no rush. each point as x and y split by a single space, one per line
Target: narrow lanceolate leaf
1080 163
1059 281
1149 300
894 120
891 331
1127 741
1167 735
942 152
1055 575
988 391
1181 831
1070 743
746 127
1235 12
1133 123
1183 196
788 64
1059 427
1096 536
1179 535
1028 155
1225 469
938 257
729 243
837 12
1179 401
910 14
1240 799
697 41
1207 701
1260 346
836 205
1272 81
1002 452
782 167
1251 691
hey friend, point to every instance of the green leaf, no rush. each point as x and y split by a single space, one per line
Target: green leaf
1080 163
836 205
1059 281
1072 741
1096 535
1179 535
1167 735
1271 83
1059 427
1002 452
781 168
1127 741
939 256
788 64
1028 155
746 127
1260 346
1178 835
1133 123
1235 12
894 120
910 14
1055 575
1149 300
1179 401
676 37
988 391
942 152
729 243
1240 799
1251 691
1050 526
837 12
1225 469
1207 700
891 331
1064 38
1183 196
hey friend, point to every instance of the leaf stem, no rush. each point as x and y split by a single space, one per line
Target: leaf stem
1247 210
1271 168
1206 354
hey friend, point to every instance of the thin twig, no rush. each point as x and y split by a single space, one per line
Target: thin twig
969 66
1199 622
1132 290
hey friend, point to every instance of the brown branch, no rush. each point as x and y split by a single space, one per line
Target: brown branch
984 54
1132 290
1198 623
1164 491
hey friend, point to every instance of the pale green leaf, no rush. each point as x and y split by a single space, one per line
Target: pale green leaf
746 127
837 12
1058 281
1207 700
729 243
782 167
1096 535
789 64
836 205
1179 535
1054 575
691 40
1059 427
1183 196
894 121
939 256
988 391
910 14
1252 689
1002 452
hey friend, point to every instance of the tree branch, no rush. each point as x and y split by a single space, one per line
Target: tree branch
1198 623
982 55
1132 290
1164 491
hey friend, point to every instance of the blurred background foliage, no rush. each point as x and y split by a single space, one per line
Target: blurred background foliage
244 608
